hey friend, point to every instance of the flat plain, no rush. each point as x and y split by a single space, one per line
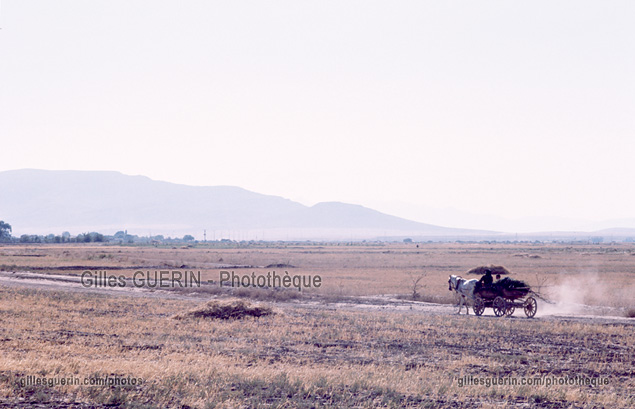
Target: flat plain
359 340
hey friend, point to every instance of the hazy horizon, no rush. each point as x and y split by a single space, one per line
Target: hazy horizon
447 218
469 115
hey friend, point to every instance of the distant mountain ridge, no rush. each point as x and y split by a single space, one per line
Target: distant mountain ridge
44 201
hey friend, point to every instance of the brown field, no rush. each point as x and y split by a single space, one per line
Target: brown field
354 342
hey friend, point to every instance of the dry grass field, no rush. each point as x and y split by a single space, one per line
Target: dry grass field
353 342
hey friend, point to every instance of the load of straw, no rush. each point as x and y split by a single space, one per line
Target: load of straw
511 284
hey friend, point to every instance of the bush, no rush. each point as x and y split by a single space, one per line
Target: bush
226 309
494 269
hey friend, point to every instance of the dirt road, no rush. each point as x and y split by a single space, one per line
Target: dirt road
385 303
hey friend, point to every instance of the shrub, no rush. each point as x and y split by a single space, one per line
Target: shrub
494 269
226 309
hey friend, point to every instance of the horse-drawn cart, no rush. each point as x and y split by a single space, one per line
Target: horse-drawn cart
504 299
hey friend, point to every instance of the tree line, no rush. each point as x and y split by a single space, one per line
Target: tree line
89 237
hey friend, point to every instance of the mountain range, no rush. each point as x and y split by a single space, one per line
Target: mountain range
48 201
45 201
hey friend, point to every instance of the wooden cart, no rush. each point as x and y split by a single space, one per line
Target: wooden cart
505 301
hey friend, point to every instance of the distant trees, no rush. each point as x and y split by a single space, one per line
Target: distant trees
31 238
121 237
124 237
92 237
5 231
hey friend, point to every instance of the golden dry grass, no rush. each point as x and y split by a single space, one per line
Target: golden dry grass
606 272
314 355
306 356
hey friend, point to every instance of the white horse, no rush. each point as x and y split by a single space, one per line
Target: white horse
464 288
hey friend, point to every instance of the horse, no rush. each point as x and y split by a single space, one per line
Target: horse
464 288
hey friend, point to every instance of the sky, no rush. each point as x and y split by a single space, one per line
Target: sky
459 113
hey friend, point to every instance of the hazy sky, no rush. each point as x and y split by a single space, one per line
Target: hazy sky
515 109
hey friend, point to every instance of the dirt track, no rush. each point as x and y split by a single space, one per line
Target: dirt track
410 341
50 282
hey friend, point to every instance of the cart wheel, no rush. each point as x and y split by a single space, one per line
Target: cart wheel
479 305
499 306
510 308
531 306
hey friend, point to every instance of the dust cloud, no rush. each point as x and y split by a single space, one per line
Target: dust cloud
587 294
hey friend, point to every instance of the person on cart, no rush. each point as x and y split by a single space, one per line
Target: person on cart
487 279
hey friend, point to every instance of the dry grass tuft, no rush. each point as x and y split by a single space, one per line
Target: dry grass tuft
226 310
494 269
630 312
